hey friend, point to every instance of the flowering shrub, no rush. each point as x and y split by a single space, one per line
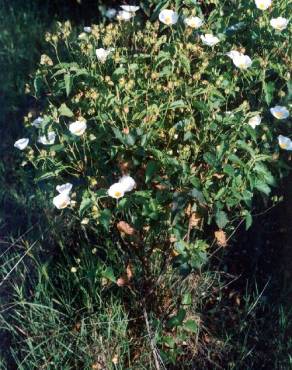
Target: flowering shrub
158 133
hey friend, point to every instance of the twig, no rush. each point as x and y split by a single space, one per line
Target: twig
17 240
152 343
258 298
18 262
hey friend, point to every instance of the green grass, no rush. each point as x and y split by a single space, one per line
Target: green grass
51 318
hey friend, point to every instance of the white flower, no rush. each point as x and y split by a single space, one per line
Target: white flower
116 190
82 36
193 22
73 269
233 53
102 54
241 61
255 121
125 16
62 200
263 4
21 143
87 29
168 17
130 8
78 128
284 142
64 188
279 23
48 139
37 122
128 183
280 112
209 39
110 13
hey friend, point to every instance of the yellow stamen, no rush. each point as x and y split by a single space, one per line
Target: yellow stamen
283 146
118 194
262 5
279 115
167 19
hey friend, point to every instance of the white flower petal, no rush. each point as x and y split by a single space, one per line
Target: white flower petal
280 112
64 188
242 61
125 16
130 8
78 127
193 22
102 54
233 54
128 183
279 23
110 13
62 200
209 39
116 190
168 17
255 121
284 142
21 144
263 4
48 139
37 122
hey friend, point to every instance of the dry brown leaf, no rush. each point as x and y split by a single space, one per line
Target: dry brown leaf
221 238
218 176
125 167
195 220
97 366
237 301
115 359
188 210
123 280
172 239
160 186
125 228
77 326
129 271
174 253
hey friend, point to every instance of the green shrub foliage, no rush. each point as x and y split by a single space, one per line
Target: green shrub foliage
162 102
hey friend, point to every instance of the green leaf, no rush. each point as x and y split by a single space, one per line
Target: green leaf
105 218
85 204
169 341
198 195
56 148
151 169
269 89
191 325
221 219
109 274
177 104
38 83
68 83
65 111
262 187
210 159
248 220
178 319
228 169
185 63
187 299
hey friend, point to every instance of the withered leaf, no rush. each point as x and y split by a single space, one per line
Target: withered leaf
125 228
221 238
